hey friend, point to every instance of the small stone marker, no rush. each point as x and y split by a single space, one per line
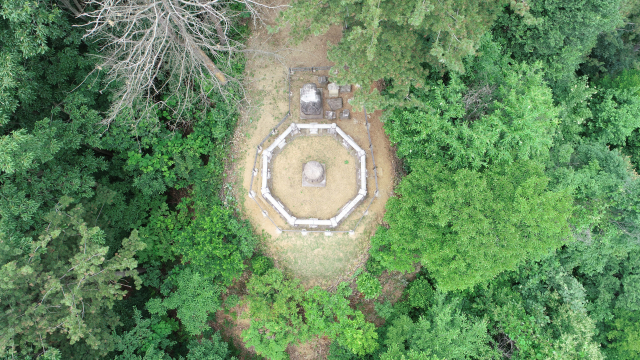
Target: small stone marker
345 114
335 103
330 115
334 90
345 89
323 80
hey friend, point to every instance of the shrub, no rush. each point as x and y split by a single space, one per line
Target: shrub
374 266
420 293
384 310
369 286
261 264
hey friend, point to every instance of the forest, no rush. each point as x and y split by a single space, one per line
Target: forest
516 211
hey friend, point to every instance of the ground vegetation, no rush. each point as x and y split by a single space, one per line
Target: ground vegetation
515 123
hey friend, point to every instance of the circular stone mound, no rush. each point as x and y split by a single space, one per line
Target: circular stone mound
313 172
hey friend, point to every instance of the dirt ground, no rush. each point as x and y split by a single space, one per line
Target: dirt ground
314 202
315 259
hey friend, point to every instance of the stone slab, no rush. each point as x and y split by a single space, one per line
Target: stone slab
335 103
334 90
345 114
330 115
345 89
310 102
323 80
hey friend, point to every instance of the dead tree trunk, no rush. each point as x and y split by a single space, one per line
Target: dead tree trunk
171 48
185 39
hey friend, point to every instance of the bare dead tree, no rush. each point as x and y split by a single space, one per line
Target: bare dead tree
477 101
74 6
179 48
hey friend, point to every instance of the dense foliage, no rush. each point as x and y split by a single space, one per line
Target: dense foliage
395 39
98 219
517 124
466 227
283 313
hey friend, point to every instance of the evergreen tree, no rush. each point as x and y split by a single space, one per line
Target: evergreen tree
63 282
400 41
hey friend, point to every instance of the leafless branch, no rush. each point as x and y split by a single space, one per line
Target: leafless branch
74 6
180 49
477 100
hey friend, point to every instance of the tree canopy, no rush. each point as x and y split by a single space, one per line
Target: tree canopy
466 227
512 230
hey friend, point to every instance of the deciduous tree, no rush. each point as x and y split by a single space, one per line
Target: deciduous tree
182 49
443 332
466 227
283 313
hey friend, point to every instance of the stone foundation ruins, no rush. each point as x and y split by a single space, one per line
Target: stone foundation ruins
314 174
320 101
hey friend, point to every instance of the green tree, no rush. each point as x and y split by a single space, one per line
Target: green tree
443 332
369 285
274 306
625 335
27 28
194 298
561 33
209 349
506 116
615 109
147 340
466 227
396 40
283 313
65 268
261 264
216 244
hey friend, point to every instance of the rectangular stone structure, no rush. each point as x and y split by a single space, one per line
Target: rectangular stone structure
334 90
345 89
310 102
335 103
330 115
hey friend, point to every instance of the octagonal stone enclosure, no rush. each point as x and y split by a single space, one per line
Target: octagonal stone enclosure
317 131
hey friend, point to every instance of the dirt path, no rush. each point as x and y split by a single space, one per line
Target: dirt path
315 259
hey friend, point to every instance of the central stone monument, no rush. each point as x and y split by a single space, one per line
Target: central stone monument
310 102
313 175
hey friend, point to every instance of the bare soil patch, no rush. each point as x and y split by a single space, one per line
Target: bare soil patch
314 349
314 202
